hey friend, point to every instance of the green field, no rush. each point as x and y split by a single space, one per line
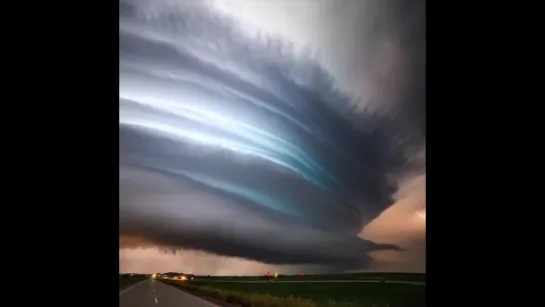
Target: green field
413 277
314 293
125 280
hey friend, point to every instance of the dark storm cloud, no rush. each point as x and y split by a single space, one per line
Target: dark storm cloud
237 147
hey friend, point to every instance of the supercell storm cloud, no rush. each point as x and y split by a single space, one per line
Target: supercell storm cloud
242 146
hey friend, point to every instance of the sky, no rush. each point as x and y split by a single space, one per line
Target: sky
272 136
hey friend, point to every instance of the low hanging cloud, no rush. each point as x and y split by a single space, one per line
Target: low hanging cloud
240 146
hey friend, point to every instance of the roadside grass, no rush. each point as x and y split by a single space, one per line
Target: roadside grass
413 277
128 280
309 294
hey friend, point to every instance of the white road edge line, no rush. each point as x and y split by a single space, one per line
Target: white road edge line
200 299
131 287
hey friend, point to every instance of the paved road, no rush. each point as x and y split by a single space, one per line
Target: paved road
153 293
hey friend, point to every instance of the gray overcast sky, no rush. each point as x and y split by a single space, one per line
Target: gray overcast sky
261 135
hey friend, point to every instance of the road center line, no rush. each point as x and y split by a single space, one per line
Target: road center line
156 300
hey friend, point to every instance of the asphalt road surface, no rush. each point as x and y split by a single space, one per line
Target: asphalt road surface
152 293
